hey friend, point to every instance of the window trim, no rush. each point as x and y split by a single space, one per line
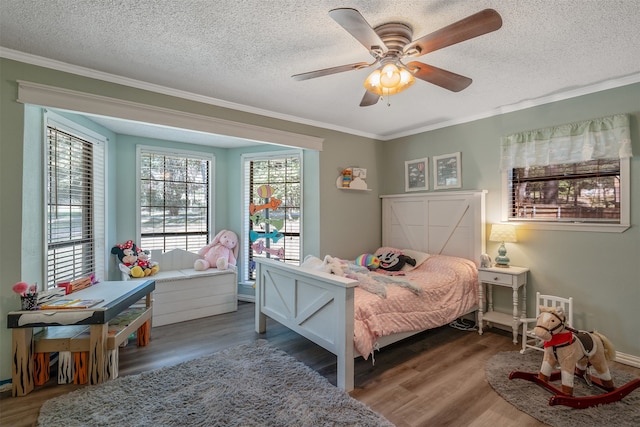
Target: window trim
99 207
625 209
169 151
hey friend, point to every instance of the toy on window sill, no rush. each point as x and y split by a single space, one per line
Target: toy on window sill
134 261
221 253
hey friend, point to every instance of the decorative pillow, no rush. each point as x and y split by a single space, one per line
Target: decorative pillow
392 259
420 257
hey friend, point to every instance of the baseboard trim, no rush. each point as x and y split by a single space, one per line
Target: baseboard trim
247 298
628 359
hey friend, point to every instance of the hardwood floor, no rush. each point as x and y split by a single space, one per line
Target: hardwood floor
436 378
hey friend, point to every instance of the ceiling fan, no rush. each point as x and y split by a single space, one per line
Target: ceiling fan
391 44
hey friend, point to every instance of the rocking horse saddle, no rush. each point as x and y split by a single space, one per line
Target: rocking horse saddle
584 338
586 342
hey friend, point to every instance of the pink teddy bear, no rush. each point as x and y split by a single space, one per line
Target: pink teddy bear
222 252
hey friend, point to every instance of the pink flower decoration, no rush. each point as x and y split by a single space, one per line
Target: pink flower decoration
21 288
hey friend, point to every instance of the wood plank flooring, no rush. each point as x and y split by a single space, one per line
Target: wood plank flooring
433 379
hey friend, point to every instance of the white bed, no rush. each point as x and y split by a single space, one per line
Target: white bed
320 306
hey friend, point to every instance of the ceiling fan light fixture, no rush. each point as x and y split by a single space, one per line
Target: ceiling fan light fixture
389 76
389 80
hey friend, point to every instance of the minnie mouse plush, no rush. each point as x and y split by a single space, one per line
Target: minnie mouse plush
128 257
134 261
393 260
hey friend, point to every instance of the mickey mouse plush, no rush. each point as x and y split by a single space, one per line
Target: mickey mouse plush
391 260
128 257
134 261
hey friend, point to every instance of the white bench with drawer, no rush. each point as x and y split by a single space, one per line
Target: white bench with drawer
183 293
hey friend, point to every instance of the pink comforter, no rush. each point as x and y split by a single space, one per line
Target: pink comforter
449 289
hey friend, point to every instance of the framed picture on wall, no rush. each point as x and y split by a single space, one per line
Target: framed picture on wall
416 175
447 171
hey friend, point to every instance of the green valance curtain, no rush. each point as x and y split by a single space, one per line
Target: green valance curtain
603 138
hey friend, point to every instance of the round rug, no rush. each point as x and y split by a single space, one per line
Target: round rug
534 400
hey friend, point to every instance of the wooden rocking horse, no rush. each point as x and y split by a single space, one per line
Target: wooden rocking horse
574 351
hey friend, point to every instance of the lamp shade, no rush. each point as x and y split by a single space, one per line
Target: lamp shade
389 80
503 233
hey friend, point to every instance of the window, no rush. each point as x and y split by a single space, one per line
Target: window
175 199
570 177
75 222
282 172
586 192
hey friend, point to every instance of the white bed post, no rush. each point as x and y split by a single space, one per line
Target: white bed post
344 342
261 319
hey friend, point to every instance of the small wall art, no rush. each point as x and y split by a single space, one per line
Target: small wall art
447 171
416 174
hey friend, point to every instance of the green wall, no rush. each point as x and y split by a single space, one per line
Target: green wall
601 271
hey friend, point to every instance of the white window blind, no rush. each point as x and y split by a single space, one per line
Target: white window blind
175 194
282 171
75 221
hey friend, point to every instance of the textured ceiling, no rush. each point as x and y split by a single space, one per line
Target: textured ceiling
241 54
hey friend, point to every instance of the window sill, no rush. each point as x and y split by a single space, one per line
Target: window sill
572 226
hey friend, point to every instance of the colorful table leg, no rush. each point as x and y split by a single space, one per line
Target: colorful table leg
97 353
41 368
22 360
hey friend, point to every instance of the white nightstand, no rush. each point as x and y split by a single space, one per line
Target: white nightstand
512 277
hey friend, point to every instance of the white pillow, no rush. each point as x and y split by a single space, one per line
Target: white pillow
420 257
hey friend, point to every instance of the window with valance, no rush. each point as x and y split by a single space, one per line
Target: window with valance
574 173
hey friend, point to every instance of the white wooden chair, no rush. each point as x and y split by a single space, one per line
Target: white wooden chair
529 340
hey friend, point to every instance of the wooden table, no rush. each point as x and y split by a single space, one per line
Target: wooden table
117 297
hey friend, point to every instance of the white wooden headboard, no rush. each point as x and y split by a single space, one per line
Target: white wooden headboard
446 223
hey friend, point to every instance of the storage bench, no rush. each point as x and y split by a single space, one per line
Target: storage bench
182 293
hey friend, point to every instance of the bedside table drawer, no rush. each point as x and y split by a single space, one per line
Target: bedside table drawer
494 277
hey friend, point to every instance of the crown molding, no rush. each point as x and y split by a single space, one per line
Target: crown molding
87 72
151 87
50 96
560 96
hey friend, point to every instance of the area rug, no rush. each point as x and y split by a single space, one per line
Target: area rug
249 385
534 400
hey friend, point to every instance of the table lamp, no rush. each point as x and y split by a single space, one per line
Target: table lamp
503 233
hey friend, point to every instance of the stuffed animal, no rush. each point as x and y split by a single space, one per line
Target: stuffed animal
391 260
134 261
329 264
367 260
128 256
144 261
221 253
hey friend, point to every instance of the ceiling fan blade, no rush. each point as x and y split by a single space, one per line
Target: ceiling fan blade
369 98
355 24
332 70
483 22
437 76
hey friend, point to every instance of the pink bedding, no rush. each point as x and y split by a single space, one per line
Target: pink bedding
449 289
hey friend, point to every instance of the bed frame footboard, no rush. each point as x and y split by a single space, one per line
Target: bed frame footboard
316 305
